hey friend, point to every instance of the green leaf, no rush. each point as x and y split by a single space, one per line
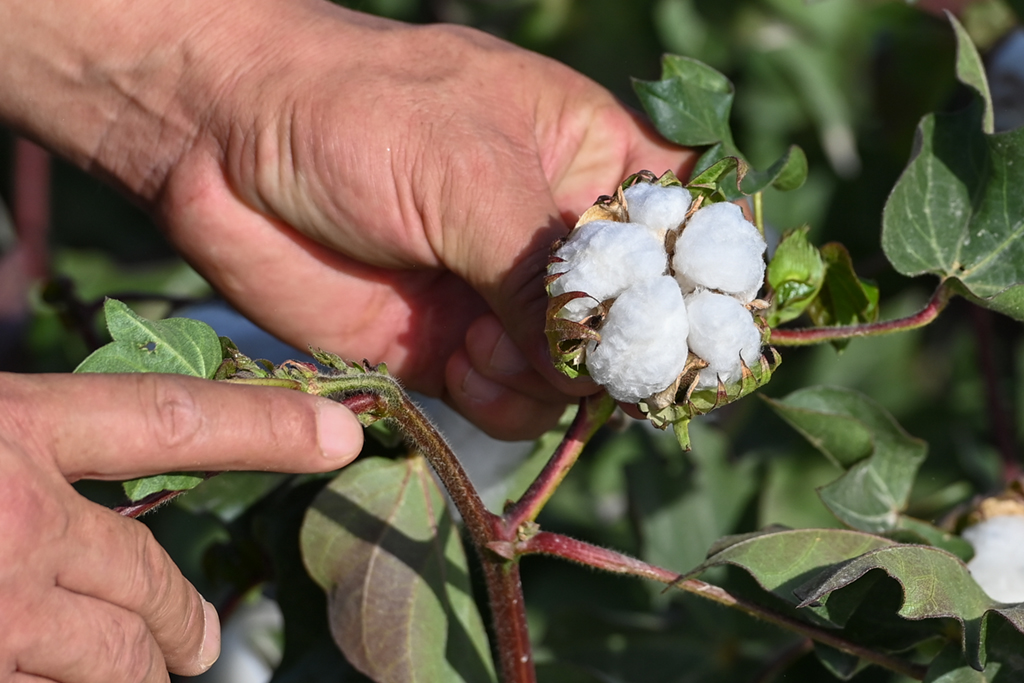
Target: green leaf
177 345
788 173
970 71
844 299
718 182
860 436
956 210
783 561
935 585
796 274
691 103
137 489
381 543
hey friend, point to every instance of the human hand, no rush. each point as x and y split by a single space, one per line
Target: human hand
380 190
76 579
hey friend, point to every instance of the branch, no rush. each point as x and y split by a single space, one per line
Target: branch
556 545
817 335
594 411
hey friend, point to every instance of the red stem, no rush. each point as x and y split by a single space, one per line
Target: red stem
817 335
556 545
594 411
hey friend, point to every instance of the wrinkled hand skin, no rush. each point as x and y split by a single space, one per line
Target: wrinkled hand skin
89 596
380 190
425 171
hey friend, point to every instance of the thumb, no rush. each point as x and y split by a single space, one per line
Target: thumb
127 426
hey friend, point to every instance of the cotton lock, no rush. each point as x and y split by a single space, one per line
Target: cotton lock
720 250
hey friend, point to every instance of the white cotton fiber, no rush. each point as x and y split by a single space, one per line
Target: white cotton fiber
643 341
603 258
720 249
722 331
998 562
659 208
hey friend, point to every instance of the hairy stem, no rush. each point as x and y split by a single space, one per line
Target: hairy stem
380 395
594 411
818 335
556 545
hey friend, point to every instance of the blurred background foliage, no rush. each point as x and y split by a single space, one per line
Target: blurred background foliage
848 80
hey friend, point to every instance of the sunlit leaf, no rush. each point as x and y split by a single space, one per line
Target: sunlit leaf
690 105
380 541
176 345
137 489
957 210
796 275
788 173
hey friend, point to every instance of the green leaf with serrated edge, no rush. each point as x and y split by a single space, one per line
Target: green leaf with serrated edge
970 71
783 561
137 489
380 541
935 585
796 275
859 435
788 173
176 345
691 103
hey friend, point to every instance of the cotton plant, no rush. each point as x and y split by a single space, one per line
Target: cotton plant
654 295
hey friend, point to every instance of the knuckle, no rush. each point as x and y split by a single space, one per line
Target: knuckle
174 416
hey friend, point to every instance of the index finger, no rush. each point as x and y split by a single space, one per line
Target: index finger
127 426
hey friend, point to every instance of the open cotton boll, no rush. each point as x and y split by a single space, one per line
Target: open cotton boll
720 249
603 258
722 331
659 208
643 341
998 562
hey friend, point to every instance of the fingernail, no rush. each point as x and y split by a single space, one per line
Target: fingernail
478 387
211 638
507 358
339 432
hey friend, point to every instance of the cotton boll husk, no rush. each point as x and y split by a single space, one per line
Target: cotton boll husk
722 331
643 341
998 562
720 249
602 259
659 208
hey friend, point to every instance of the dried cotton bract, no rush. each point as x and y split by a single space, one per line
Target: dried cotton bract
654 298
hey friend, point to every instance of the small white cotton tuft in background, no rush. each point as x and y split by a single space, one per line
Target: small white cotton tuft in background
998 562
603 258
643 341
720 249
722 331
659 208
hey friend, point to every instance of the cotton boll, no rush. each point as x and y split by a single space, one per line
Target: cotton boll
602 259
659 208
643 341
998 562
722 331
720 249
